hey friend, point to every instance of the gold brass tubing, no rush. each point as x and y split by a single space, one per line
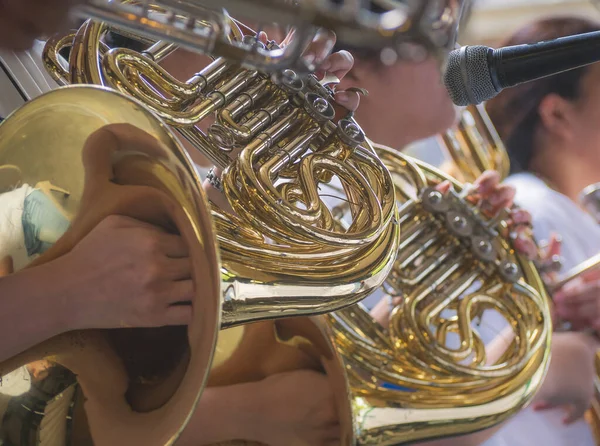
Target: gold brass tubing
160 51
217 156
584 267
51 55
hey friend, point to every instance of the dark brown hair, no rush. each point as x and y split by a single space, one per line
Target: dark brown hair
514 111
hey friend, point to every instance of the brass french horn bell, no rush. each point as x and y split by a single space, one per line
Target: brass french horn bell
86 153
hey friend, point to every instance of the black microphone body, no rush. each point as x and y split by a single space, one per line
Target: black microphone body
477 73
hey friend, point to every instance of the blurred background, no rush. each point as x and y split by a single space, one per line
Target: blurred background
490 21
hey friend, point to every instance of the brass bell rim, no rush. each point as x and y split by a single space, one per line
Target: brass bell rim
206 319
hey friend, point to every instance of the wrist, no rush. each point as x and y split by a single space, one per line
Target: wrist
59 291
256 410
226 414
29 314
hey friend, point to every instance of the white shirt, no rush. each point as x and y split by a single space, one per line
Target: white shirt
552 212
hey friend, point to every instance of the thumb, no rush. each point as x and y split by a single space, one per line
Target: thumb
262 37
443 187
554 246
6 266
543 405
574 413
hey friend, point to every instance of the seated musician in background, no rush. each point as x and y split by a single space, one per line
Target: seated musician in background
550 129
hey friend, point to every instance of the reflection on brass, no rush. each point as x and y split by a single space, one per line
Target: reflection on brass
252 352
282 252
429 375
92 153
474 145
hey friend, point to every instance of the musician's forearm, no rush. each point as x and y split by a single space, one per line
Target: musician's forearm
572 354
381 312
30 310
223 414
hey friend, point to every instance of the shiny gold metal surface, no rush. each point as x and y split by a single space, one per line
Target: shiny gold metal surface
252 352
474 145
429 375
46 153
412 29
282 252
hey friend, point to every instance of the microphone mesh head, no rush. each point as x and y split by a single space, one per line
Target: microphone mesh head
467 77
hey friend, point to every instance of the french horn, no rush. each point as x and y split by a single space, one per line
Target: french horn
428 375
61 170
475 146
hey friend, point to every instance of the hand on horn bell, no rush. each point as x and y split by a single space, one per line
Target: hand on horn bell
299 411
125 273
22 21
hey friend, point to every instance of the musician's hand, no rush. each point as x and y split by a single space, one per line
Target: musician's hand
489 193
492 197
569 383
22 21
299 411
578 302
382 311
126 273
337 64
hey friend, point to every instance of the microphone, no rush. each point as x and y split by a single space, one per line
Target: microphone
475 74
